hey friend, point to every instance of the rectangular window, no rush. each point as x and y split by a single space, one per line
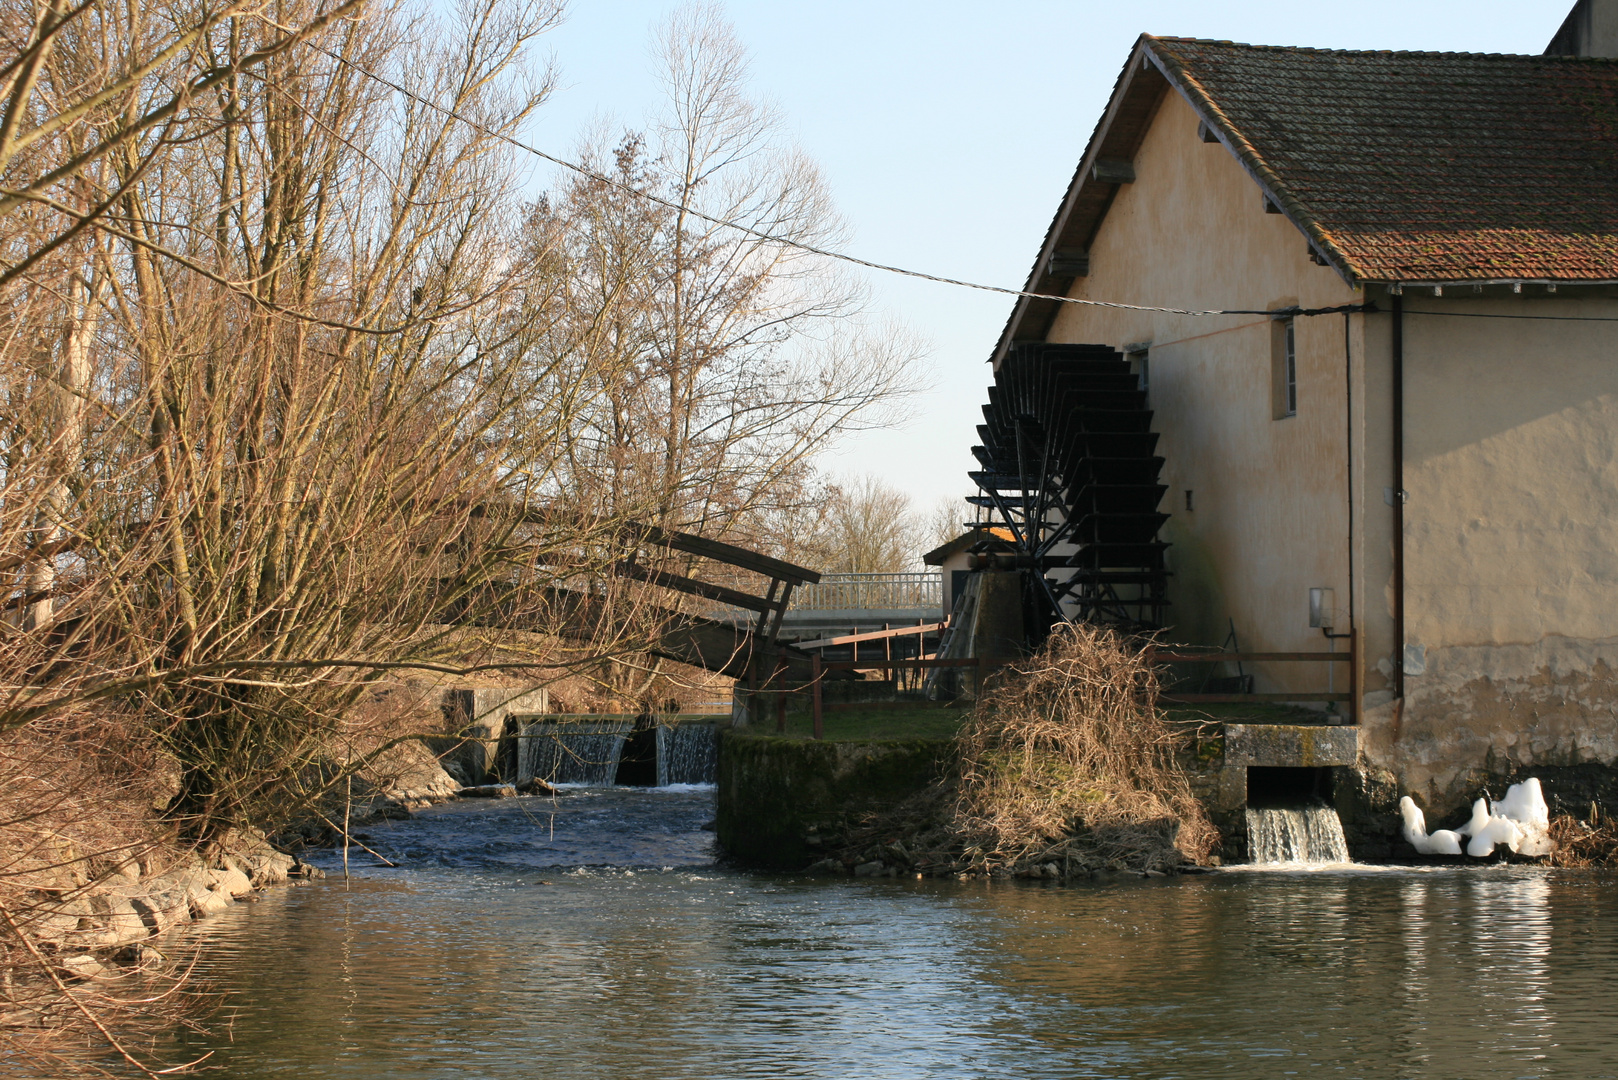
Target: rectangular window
1292 368
1283 369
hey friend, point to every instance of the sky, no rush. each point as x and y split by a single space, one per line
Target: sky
948 131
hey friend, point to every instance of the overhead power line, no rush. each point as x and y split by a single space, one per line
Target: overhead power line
586 171
840 256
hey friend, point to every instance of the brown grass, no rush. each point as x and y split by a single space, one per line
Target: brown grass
1065 767
1583 844
1069 745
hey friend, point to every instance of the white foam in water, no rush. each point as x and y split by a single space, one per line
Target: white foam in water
1439 842
1520 822
1286 836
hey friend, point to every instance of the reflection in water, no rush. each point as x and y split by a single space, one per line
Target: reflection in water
593 936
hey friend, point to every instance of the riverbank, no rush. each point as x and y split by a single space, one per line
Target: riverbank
93 919
1062 769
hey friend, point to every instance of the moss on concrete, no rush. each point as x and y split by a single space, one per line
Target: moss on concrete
780 800
875 721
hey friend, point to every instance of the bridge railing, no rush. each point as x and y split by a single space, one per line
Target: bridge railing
872 592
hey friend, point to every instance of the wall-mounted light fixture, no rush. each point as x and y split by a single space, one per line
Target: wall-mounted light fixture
1322 608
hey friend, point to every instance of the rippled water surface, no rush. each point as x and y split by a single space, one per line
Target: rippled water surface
595 937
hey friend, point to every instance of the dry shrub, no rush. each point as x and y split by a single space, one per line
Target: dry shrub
1584 844
1068 748
77 797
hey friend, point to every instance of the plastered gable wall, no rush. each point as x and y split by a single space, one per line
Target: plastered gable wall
1511 540
1511 464
1270 497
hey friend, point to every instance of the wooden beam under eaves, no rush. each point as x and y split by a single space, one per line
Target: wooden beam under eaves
1113 171
1069 262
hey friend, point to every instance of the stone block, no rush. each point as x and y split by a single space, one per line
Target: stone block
232 882
1290 745
162 908
86 969
210 902
476 718
115 922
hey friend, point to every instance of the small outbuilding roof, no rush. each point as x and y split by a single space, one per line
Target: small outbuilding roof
938 555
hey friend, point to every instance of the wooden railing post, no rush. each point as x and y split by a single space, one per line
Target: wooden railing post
820 731
781 693
752 687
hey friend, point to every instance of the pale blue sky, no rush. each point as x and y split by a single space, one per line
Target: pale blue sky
949 130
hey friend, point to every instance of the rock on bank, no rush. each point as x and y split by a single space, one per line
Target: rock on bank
76 908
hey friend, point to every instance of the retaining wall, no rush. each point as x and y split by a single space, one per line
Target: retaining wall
780 800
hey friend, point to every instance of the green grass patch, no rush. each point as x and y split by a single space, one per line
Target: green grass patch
929 720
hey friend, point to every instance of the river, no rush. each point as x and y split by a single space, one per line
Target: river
594 935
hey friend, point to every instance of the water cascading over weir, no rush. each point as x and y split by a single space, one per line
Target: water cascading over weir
1286 835
607 751
1290 819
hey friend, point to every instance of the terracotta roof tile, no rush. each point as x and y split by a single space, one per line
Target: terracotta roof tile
1411 166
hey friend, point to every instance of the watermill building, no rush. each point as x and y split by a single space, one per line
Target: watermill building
1399 433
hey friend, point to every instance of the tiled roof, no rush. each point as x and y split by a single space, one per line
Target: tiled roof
1407 166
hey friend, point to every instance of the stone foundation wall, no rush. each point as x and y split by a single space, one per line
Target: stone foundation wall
475 720
780 801
1550 705
1366 793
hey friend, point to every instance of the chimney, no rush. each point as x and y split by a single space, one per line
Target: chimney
1590 29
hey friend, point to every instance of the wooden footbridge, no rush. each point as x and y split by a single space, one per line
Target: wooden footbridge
801 614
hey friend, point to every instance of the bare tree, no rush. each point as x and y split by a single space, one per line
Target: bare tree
870 528
734 359
945 521
718 361
296 408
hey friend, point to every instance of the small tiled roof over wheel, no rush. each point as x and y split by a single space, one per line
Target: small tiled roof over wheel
1415 166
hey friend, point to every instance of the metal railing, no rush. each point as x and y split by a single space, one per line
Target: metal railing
872 592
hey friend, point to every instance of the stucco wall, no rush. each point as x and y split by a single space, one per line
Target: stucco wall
1510 541
1270 496
1511 465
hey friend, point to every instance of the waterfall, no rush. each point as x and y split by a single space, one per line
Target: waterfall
588 751
572 752
687 754
1310 834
